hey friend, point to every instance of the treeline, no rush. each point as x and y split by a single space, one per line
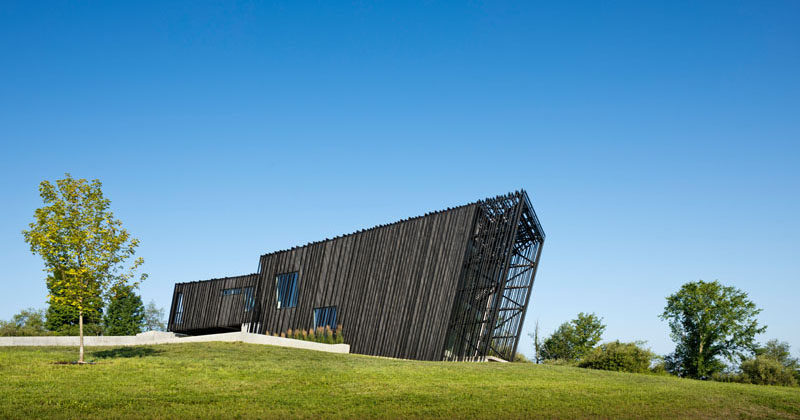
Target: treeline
124 314
713 326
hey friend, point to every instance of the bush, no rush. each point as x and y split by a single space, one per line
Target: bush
520 358
765 370
339 337
659 367
28 322
321 335
620 357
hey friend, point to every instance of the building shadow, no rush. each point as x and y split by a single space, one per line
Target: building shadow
126 352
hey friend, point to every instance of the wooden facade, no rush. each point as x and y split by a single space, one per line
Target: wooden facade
204 309
449 285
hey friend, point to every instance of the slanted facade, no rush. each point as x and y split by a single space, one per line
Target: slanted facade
449 285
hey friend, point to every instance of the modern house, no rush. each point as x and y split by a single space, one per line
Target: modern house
450 285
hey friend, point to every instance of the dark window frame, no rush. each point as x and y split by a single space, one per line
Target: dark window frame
328 315
249 298
286 289
179 309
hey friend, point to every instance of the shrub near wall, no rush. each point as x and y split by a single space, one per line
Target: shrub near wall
616 356
321 335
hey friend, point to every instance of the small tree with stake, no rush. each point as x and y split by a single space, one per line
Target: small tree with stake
78 237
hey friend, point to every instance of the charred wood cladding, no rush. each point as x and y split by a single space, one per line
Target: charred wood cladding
450 285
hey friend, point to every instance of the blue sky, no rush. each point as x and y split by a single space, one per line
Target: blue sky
659 141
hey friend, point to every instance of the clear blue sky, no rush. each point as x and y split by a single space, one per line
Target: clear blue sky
659 141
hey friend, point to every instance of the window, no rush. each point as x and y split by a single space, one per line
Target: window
325 317
249 299
286 290
179 309
231 292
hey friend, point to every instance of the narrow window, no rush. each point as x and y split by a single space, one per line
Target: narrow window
231 292
325 317
179 309
249 299
286 290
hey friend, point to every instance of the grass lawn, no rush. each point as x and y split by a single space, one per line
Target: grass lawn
244 380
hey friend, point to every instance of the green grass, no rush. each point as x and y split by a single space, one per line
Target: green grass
225 380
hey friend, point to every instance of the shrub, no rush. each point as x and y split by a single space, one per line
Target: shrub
616 356
28 322
321 335
659 368
765 370
339 337
519 357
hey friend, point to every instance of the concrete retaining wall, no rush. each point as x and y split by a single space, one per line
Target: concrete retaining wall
155 337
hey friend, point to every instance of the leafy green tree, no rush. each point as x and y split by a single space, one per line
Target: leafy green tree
126 313
78 237
572 340
27 322
708 321
63 319
780 351
154 318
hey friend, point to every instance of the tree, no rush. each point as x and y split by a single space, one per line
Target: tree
154 318
26 323
572 340
537 344
707 321
126 313
780 351
84 248
63 319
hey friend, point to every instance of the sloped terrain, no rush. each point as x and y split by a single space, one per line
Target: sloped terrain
225 380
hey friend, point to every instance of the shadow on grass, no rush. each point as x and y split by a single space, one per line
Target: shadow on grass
126 352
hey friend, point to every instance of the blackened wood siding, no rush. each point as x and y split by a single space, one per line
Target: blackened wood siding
400 290
205 308
393 285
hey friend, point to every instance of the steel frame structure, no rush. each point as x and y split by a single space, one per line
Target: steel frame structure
496 280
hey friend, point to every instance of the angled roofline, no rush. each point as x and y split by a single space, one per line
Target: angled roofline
473 203
218 279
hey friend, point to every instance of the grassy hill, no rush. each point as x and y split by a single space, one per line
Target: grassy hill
242 380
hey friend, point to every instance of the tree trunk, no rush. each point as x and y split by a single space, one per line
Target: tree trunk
537 346
80 329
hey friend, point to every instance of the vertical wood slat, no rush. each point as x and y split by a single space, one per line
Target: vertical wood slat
394 286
